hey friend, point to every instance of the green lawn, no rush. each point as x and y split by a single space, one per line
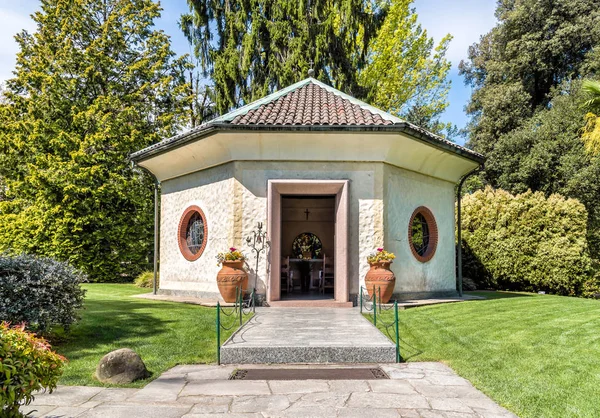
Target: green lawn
537 355
164 334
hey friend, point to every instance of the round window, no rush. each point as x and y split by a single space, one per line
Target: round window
422 234
192 233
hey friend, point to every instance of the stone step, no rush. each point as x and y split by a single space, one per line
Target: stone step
303 335
309 304
308 355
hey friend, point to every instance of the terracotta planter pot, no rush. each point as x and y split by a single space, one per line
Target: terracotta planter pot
231 276
381 277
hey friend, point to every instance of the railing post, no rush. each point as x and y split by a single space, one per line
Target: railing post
241 300
379 292
218 333
397 332
374 307
361 299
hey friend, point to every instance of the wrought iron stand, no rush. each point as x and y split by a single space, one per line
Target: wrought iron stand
258 242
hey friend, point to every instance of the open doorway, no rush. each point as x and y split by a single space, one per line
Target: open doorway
307 247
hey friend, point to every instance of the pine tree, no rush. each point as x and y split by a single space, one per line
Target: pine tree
92 84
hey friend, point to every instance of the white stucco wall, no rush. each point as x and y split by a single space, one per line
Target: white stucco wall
213 191
404 191
233 197
366 201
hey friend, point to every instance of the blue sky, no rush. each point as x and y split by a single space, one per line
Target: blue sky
466 20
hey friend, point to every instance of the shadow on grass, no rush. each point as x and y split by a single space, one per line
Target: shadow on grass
497 294
111 322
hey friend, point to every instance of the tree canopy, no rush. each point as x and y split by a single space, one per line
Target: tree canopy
536 45
249 49
92 84
591 130
405 74
526 106
371 49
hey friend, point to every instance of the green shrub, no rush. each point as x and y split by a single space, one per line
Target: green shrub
27 364
525 242
145 279
40 292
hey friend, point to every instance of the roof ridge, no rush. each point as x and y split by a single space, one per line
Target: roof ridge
229 116
358 102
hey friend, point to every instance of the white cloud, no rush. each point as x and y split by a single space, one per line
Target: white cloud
466 20
14 19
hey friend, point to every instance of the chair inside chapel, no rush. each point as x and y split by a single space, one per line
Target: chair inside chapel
327 278
286 276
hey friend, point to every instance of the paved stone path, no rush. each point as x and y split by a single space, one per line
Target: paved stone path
299 335
428 390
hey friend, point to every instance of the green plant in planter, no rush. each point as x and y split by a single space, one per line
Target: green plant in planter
27 364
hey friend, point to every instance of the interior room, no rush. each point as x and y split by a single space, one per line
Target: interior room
307 247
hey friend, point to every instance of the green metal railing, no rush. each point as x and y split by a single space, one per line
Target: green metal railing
371 305
242 308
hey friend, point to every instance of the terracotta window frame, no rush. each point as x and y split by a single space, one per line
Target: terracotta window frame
433 234
182 232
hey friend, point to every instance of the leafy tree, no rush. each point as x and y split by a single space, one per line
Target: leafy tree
591 130
249 49
94 83
406 75
546 154
536 45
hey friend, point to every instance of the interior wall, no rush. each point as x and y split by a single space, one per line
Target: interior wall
321 221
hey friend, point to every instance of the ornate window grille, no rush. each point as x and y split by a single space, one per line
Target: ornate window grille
422 234
192 233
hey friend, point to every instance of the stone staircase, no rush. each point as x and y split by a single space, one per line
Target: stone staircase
308 335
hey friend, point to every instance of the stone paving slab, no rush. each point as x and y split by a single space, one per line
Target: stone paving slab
418 390
297 335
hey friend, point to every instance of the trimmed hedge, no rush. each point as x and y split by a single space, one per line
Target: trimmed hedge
526 242
40 292
27 364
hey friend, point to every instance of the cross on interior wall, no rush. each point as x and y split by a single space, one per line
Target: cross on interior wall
307 212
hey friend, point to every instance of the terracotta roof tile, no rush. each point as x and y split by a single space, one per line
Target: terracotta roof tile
310 104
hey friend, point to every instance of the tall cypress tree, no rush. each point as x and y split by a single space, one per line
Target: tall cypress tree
250 48
92 84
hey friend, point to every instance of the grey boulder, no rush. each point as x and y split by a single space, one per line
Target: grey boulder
121 366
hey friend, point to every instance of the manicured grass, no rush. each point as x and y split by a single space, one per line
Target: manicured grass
164 334
536 355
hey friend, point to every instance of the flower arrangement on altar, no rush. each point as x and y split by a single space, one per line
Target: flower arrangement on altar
232 255
381 256
307 246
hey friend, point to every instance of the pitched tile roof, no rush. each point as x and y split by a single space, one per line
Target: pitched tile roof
310 104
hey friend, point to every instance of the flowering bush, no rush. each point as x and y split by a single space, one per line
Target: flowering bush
232 255
381 255
27 364
40 292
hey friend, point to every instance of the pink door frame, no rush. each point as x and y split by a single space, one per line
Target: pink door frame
339 188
